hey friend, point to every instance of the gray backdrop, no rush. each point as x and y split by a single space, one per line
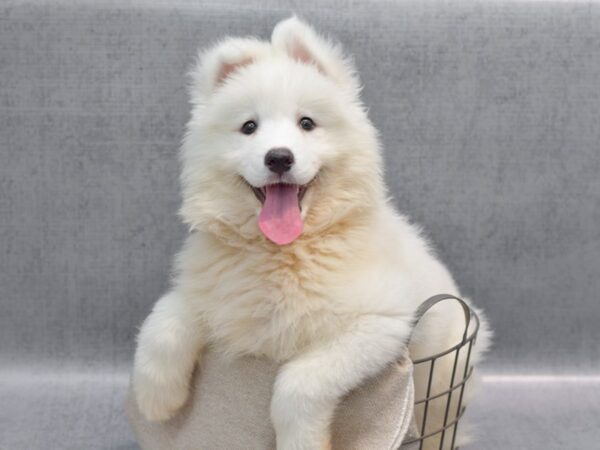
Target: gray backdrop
489 112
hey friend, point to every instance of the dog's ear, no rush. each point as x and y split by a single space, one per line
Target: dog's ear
302 43
218 63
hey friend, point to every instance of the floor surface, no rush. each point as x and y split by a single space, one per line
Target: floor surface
76 411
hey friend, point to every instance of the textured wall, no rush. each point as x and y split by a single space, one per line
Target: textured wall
489 113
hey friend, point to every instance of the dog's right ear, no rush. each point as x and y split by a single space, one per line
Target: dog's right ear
218 63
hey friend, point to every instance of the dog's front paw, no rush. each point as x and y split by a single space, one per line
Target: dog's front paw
302 437
301 443
326 445
158 397
301 420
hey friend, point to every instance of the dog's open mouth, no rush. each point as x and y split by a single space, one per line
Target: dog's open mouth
261 193
280 217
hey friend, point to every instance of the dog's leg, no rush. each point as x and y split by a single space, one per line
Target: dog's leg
168 345
308 387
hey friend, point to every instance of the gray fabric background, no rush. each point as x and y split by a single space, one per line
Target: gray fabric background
490 116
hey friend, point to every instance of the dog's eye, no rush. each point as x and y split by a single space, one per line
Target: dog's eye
249 127
306 123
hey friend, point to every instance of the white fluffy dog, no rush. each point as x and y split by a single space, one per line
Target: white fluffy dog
296 253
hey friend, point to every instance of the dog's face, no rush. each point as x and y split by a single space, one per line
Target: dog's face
278 140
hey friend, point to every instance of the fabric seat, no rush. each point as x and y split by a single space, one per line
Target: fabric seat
229 410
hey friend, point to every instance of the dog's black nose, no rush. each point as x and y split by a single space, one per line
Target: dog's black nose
279 160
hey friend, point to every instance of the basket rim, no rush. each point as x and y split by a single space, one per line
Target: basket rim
470 315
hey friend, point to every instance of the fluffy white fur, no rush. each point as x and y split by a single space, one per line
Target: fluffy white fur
336 305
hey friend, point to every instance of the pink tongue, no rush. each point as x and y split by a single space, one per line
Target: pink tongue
279 218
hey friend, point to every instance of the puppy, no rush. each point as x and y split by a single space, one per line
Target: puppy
296 253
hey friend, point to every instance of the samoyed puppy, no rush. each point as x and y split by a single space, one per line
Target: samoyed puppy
295 252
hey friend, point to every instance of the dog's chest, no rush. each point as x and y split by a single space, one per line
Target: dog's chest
270 306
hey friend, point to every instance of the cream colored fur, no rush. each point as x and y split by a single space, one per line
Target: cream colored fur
335 306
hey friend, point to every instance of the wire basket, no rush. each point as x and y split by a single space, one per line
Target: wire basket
445 425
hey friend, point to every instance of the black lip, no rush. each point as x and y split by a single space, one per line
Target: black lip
259 193
302 191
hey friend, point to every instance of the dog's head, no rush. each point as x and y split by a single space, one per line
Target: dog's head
278 141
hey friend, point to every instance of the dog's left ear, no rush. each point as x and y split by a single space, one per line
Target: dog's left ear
302 43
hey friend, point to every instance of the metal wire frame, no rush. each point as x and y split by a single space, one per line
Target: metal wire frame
468 340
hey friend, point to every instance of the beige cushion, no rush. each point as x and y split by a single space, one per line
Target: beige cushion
229 410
